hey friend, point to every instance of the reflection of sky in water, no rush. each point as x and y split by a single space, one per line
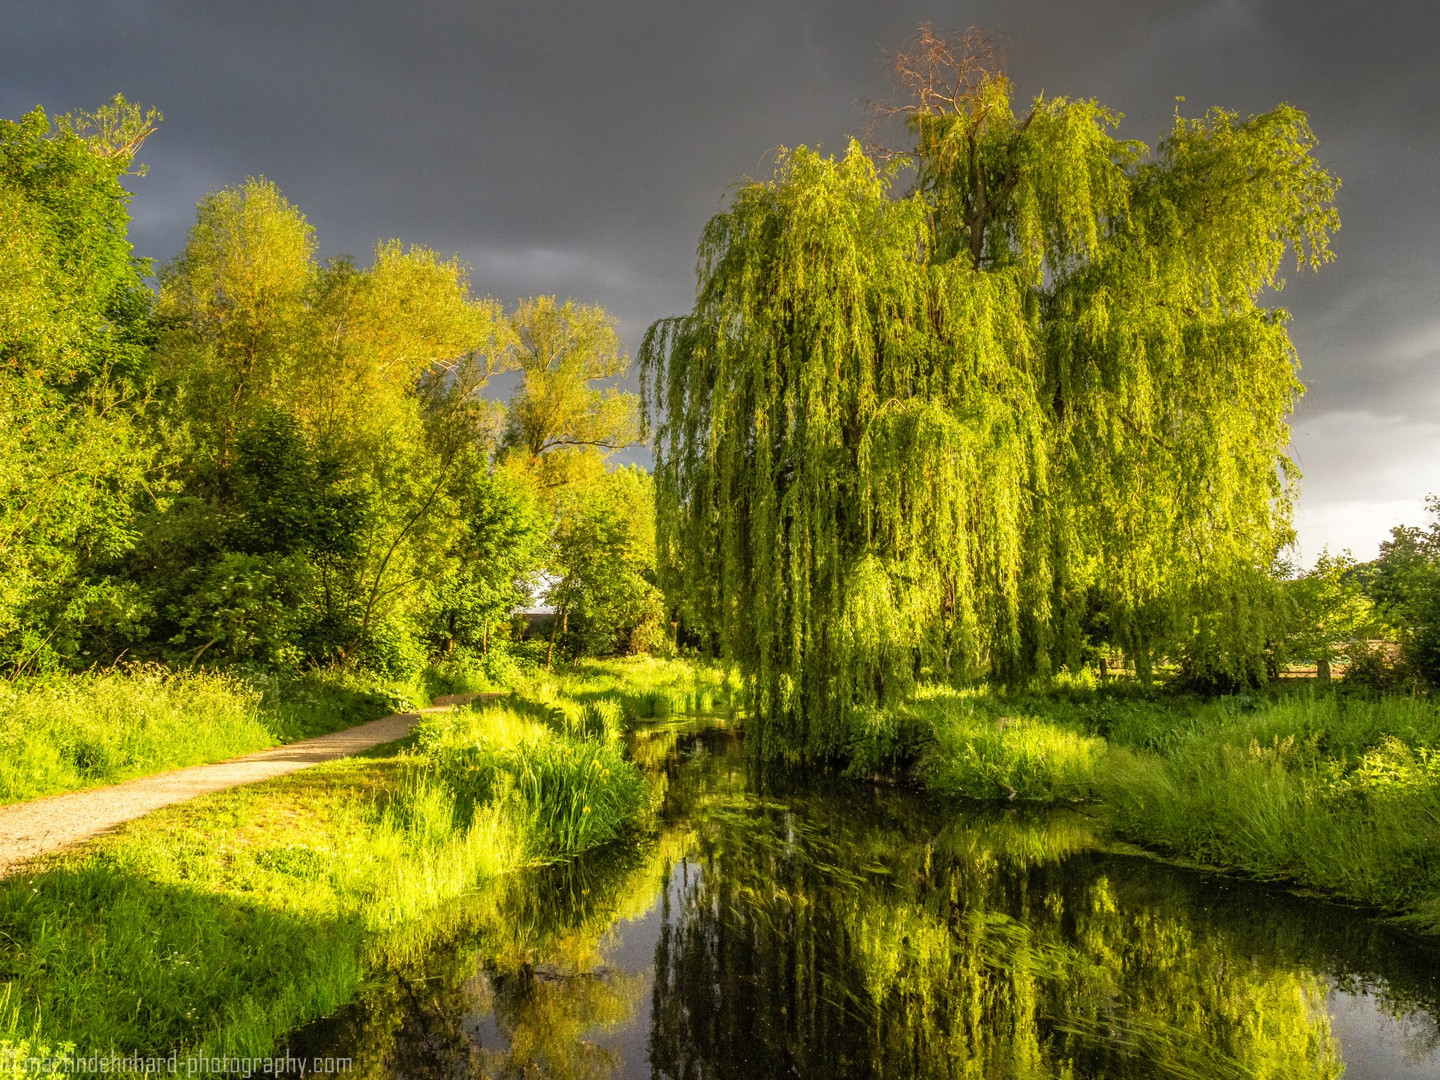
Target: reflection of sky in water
1376 1046
628 948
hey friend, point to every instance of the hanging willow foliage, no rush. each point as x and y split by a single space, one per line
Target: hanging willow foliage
960 431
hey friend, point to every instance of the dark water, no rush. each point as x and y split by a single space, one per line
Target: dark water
835 930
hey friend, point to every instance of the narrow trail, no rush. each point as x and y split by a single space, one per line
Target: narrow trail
48 824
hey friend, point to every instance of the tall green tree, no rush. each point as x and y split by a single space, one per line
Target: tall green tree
235 302
497 551
933 432
354 390
75 334
602 564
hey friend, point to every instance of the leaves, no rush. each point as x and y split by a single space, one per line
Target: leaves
74 336
949 430
559 425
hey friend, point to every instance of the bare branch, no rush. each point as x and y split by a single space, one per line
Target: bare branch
937 74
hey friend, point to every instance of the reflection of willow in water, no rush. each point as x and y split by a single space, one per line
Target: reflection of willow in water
812 940
522 988
839 931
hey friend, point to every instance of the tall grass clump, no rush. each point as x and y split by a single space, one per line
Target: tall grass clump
570 792
983 749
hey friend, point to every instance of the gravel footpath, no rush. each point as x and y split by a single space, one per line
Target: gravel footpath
43 825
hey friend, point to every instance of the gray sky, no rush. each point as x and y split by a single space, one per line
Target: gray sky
578 148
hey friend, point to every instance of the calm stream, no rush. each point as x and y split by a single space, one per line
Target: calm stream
839 930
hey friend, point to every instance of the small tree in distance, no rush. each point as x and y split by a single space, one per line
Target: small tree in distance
1329 612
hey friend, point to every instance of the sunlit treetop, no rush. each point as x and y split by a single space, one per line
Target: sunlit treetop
564 422
75 307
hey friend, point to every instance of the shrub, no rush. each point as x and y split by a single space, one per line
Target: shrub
1374 670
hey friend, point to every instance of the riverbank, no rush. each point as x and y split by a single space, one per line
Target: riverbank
221 923
1323 789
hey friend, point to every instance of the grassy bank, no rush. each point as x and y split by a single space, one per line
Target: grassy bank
223 922
1331 791
1339 795
67 732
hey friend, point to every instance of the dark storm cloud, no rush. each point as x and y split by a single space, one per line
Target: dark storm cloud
578 148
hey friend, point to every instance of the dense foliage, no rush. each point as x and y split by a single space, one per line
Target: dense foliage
1328 616
1032 407
1403 584
74 349
281 462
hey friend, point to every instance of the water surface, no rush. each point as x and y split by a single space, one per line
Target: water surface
833 929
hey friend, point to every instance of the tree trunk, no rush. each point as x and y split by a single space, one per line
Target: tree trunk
1144 672
1322 669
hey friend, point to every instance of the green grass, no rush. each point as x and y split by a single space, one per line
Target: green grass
219 924
226 921
568 791
645 687
982 745
1331 791
1335 794
983 751
64 733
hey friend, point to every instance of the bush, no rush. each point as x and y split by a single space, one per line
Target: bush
1374 670
394 649
647 687
468 672
882 740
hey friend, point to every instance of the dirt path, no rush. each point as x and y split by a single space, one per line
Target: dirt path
33 828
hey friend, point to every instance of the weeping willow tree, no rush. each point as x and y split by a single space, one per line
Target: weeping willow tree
1032 402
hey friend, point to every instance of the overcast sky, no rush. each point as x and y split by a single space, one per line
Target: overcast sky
578 148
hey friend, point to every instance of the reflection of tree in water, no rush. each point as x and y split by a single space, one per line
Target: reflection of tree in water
834 931
818 941
541 1023
523 987
549 1020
